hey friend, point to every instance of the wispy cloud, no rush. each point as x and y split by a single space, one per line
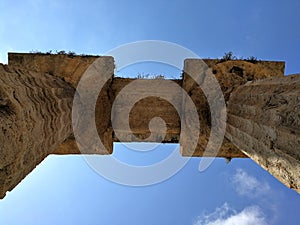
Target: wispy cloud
257 190
248 185
225 215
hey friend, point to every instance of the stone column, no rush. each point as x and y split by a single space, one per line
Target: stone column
35 117
264 122
71 68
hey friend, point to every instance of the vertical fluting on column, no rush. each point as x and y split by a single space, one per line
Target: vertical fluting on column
264 122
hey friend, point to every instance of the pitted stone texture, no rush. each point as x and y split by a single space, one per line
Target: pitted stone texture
69 67
35 117
264 122
230 75
27 106
141 113
93 105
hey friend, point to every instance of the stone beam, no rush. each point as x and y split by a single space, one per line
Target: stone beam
144 110
264 122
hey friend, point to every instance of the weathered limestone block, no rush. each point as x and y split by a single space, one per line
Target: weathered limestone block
94 98
234 73
68 67
35 112
143 93
264 122
71 68
230 75
35 117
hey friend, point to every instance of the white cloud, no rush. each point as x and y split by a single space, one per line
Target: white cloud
248 185
228 216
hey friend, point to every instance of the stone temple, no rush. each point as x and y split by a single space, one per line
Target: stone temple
37 93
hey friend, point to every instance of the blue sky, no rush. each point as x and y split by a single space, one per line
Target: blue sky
65 190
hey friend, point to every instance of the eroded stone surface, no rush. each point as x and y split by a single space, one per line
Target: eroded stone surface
68 67
264 122
35 117
49 103
230 75
144 109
